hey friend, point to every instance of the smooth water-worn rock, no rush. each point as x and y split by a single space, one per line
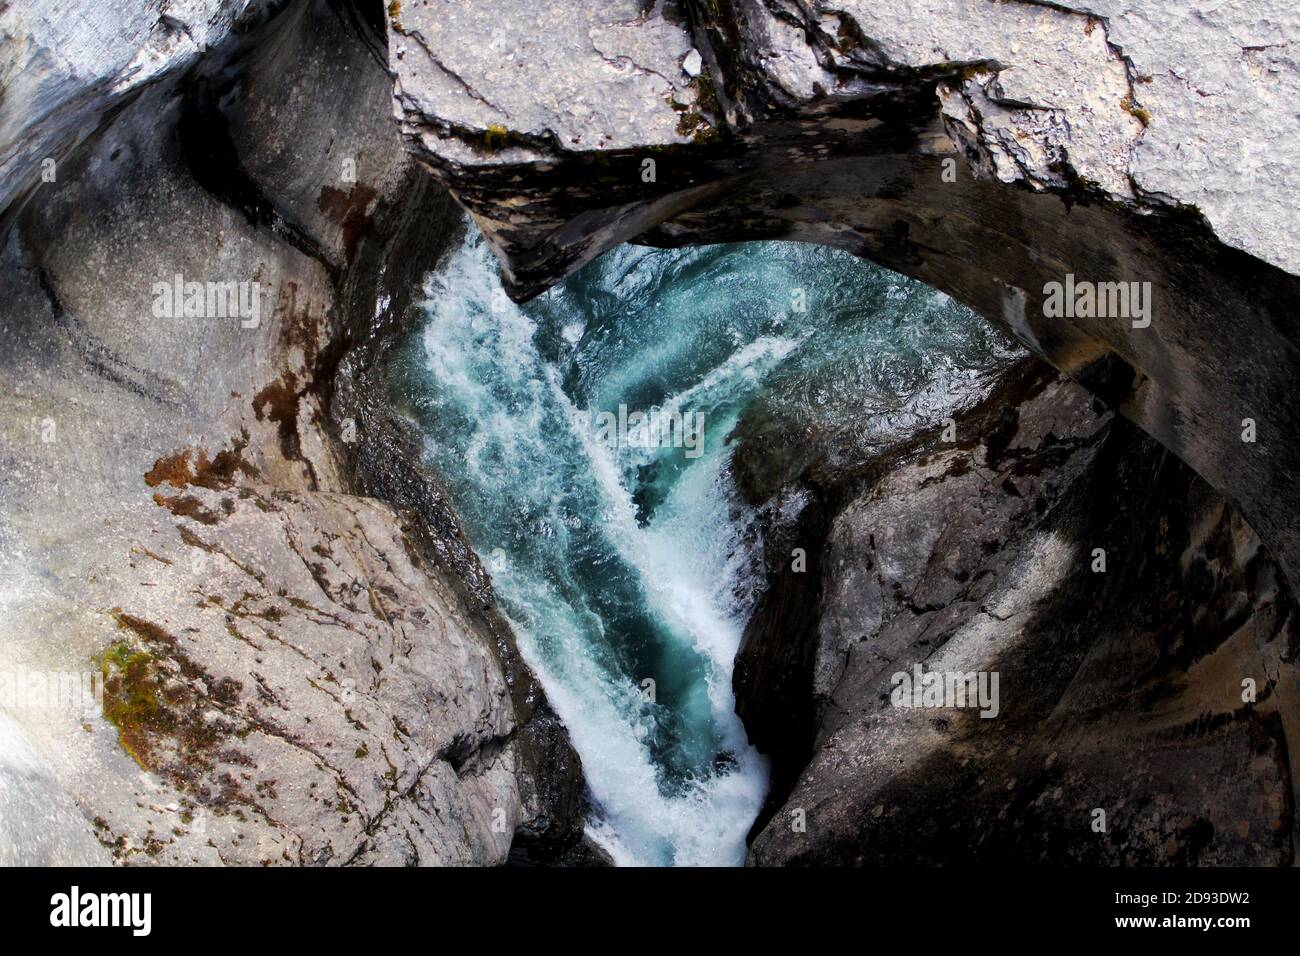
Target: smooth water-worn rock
226 525
986 148
1143 640
68 68
292 670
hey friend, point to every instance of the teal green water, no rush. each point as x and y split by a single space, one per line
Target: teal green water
621 561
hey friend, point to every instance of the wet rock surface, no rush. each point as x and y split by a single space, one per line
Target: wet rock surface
228 525
69 69
1121 690
990 149
985 148
294 671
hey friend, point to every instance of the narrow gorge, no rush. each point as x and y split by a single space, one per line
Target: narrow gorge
355 579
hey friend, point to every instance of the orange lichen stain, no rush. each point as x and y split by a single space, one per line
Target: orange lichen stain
190 467
186 506
173 469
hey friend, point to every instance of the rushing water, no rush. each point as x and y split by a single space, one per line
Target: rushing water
622 567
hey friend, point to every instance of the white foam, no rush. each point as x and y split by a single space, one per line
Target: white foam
502 415
683 569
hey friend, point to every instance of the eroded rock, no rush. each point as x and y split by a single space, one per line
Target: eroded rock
988 149
293 671
1121 690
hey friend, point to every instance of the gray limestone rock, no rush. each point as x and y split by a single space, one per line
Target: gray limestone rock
291 670
226 526
987 148
1125 610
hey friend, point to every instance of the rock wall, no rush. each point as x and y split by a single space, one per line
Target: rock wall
69 69
986 148
201 511
990 149
228 525
1122 685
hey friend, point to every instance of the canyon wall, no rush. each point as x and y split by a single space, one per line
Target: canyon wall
224 520
986 148
1143 641
299 655
990 149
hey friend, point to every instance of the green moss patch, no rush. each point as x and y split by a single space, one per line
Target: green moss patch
150 697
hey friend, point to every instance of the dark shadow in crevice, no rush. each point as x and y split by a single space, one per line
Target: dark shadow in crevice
203 132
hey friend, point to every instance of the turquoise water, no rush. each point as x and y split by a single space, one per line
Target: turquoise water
620 555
